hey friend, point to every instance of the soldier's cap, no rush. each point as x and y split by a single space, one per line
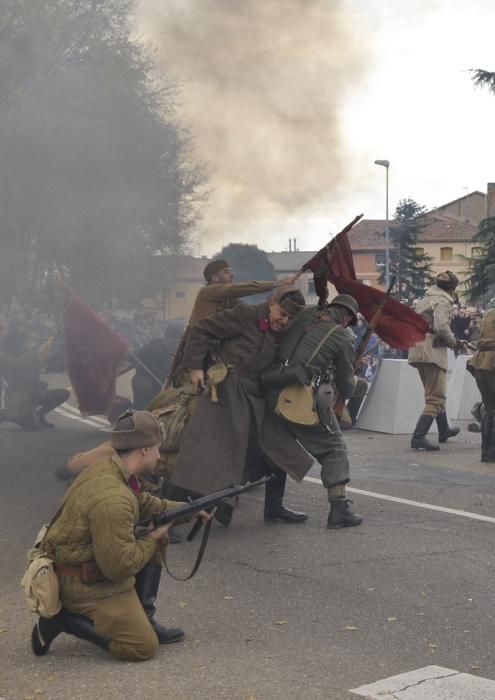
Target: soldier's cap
214 267
289 298
349 303
447 280
135 429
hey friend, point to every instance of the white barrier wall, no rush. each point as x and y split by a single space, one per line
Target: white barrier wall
396 397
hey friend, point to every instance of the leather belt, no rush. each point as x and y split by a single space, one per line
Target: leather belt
68 570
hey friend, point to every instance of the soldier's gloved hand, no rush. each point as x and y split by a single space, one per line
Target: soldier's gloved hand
198 378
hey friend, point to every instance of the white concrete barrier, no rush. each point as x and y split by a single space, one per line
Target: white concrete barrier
396 397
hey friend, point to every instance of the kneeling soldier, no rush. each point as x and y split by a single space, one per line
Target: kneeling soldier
109 579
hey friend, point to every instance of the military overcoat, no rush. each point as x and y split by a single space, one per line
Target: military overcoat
222 437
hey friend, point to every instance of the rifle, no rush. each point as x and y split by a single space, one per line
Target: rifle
191 507
361 350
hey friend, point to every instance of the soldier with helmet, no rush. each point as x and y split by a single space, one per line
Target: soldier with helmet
318 341
429 356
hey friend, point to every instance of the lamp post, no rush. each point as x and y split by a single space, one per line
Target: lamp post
386 164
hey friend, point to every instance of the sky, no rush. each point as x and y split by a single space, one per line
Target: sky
289 103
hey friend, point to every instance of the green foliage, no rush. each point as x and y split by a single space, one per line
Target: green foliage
248 262
96 172
411 269
480 284
483 78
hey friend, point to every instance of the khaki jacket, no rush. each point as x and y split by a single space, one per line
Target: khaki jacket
217 297
97 523
485 357
436 309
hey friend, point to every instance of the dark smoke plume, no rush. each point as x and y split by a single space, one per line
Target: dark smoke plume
263 83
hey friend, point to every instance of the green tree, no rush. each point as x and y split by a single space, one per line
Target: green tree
411 268
248 262
96 174
483 78
480 284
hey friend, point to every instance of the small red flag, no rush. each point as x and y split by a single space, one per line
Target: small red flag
93 353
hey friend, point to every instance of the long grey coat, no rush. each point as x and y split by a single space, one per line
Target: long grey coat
223 438
436 308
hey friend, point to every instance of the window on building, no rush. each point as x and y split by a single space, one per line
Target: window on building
420 251
180 295
446 254
476 252
380 259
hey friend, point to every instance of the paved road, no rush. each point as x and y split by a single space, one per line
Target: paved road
280 611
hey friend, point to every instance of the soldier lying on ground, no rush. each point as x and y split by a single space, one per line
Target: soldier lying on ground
109 580
224 437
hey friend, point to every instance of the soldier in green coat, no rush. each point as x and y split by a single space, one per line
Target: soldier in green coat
109 579
482 367
323 331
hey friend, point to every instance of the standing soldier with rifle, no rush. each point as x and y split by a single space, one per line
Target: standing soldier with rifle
429 356
318 344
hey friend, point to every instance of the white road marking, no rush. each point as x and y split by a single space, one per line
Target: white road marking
416 504
98 419
102 424
429 683
72 416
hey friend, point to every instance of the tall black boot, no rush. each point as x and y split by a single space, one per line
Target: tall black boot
45 631
274 507
487 438
147 585
419 441
444 430
83 628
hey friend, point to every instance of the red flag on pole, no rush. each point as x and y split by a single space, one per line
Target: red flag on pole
398 325
93 353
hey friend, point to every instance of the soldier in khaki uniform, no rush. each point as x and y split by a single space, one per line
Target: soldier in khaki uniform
429 356
482 367
221 293
333 364
109 579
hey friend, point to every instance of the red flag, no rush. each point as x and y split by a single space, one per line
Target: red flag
398 325
93 353
334 260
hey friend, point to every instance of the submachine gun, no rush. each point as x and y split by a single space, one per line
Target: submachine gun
190 507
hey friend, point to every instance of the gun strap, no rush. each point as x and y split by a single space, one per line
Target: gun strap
199 557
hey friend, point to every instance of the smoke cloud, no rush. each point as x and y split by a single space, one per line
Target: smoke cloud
262 84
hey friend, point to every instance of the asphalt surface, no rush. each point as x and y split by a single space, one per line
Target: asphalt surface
278 611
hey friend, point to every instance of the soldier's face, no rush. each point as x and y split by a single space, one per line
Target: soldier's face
150 457
225 276
278 318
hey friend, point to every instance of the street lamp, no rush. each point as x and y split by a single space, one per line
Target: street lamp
386 164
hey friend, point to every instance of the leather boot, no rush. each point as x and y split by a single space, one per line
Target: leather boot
45 631
83 628
341 514
444 430
147 585
419 441
43 423
487 438
274 507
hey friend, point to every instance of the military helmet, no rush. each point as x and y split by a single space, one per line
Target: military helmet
447 280
348 303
